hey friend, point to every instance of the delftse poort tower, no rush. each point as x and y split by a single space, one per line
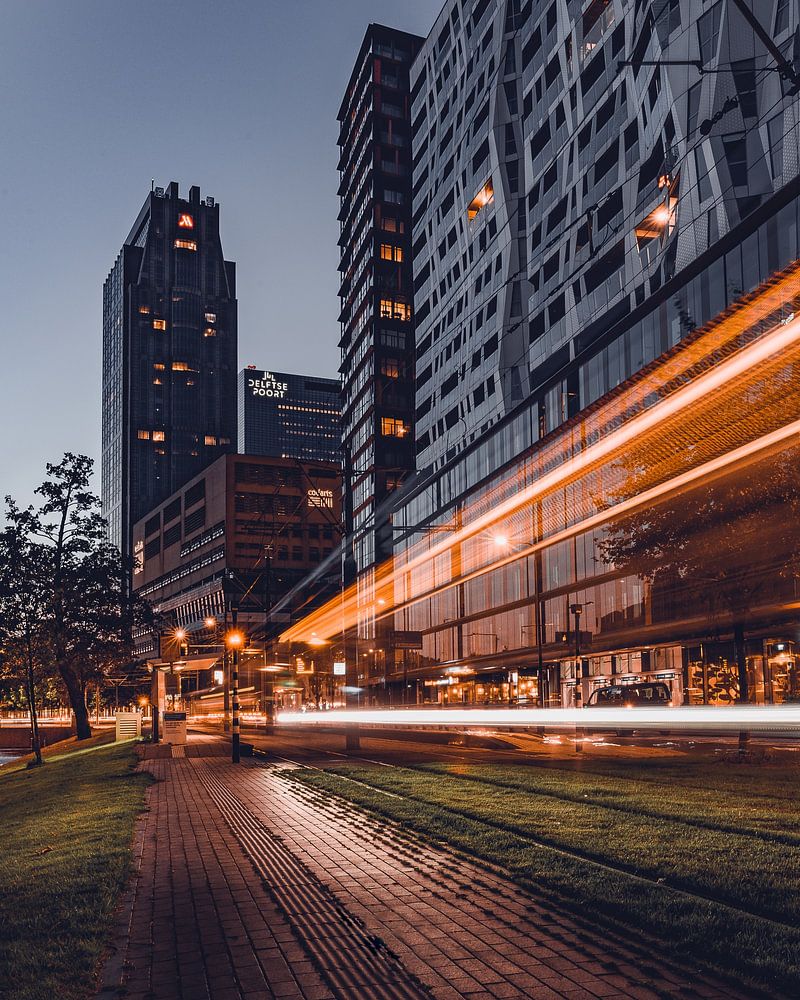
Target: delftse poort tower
169 357
289 416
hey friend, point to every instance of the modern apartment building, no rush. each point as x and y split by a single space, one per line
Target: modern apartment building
593 184
289 416
376 293
169 357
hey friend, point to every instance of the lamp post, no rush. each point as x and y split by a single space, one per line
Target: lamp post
577 611
234 641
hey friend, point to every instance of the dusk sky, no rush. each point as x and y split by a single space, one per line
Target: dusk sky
98 98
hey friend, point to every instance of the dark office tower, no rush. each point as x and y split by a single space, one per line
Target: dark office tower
169 357
289 416
376 292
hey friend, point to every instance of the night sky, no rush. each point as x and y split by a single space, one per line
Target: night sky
98 97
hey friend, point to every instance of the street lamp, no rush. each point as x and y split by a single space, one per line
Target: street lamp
234 640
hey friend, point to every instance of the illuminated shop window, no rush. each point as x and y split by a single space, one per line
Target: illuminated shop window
185 245
390 252
484 197
185 221
393 427
143 435
159 324
390 367
158 435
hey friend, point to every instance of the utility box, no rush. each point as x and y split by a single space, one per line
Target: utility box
129 725
173 728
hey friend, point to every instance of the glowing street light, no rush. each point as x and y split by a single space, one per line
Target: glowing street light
500 541
234 639
210 622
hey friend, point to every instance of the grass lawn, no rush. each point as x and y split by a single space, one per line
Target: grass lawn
705 857
65 836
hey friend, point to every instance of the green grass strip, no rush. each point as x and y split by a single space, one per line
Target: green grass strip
745 945
65 853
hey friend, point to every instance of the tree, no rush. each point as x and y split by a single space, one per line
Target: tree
87 612
720 547
23 607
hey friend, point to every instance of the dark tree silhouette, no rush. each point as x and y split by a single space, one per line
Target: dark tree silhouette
85 609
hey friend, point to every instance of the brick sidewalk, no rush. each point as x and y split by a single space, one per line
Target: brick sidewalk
249 885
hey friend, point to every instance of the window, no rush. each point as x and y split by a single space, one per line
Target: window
209 439
158 435
708 32
144 310
211 317
391 309
744 76
703 180
185 245
776 135
484 197
209 331
391 225
159 366
735 147
391 252
782 16
159 324
143 435
692 108
180 366
390 367
393 427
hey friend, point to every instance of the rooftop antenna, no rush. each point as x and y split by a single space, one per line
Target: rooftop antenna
152 184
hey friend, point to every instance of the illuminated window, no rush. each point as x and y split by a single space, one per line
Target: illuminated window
159 324
143 435
391 225
144 310
180 366
390 309
484 197
391 252
157 381
159 367
390 368
185 221
185 245
393 427
210 439
158 435
209 332
211 317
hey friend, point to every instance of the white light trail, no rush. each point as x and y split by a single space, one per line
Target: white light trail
699 718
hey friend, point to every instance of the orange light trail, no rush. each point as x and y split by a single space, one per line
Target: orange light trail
747 343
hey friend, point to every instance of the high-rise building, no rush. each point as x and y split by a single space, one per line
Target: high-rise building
169 357
377 341
289 416
593 186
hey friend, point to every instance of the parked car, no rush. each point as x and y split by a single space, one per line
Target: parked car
650 695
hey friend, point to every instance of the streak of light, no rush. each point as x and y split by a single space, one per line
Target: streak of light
717 359
737 718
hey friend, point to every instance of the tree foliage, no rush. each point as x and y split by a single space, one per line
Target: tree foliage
80 585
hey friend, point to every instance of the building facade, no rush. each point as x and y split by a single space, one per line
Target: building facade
169 357
289 416
594 187
244 531
376 294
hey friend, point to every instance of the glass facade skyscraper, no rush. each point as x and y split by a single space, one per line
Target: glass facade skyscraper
289 416
169 357
376 293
